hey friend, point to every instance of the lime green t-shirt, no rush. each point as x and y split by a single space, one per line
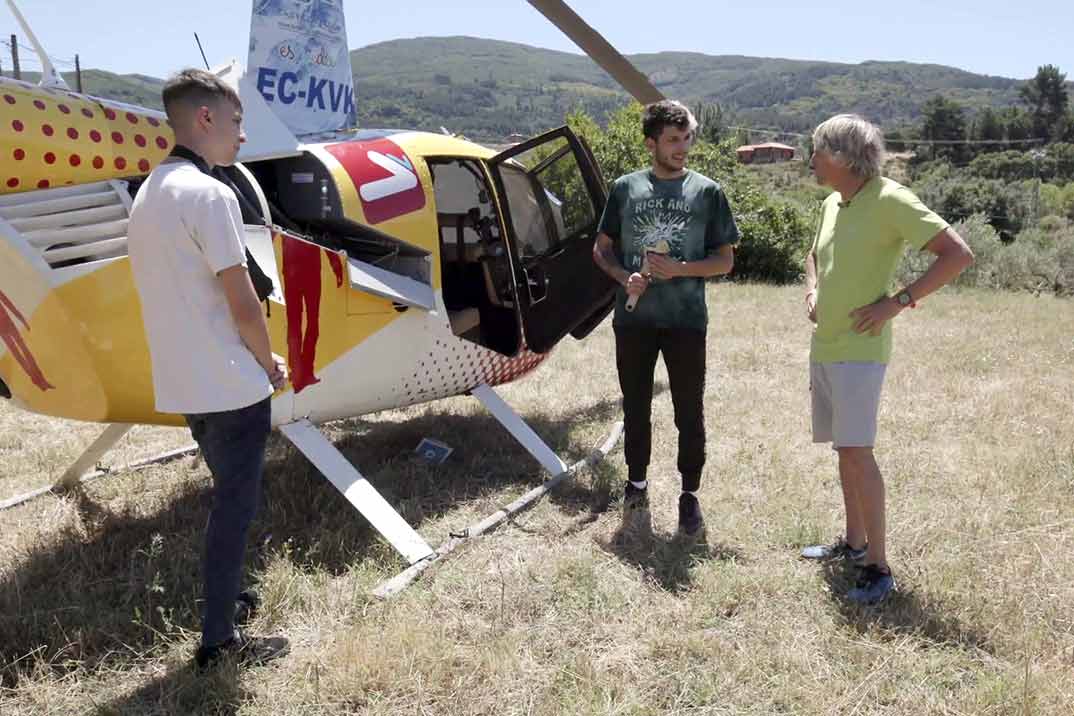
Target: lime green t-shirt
857 248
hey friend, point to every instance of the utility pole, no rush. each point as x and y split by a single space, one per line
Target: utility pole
78 74
15 56
1037 155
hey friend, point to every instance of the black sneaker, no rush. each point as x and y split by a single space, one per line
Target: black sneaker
690 520
835 551
246 650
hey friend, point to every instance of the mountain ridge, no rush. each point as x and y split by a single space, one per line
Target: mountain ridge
489 89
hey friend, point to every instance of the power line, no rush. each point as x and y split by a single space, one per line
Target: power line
32 59
1033 140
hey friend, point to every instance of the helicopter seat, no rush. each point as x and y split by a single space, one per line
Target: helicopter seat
454 247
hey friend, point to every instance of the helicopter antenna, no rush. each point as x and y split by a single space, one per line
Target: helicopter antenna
200 49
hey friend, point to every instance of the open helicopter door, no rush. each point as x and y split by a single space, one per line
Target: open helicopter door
552 197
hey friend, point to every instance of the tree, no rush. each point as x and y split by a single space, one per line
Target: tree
1046 96
1018 126
988 127
945 121
712 122
1064 130
895 140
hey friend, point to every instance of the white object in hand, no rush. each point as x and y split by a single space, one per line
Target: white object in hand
661 247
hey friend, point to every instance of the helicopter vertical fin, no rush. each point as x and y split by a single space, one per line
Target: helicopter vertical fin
518 428
312 443
300 65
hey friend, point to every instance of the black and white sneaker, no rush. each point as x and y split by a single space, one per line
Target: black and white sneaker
637 520
244 649
635 498
838 550
691 522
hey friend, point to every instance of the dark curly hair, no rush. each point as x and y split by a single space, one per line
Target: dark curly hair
666 113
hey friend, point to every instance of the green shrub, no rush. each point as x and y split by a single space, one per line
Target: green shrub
1036 260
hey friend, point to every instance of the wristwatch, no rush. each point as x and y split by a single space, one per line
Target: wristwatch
904 299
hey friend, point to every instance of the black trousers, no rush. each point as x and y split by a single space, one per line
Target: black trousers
636 349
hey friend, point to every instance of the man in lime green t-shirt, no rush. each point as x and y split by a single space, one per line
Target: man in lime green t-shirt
864 227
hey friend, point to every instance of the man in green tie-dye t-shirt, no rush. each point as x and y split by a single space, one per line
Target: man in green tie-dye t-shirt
665 230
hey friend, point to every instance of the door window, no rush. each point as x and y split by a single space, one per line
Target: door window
550 202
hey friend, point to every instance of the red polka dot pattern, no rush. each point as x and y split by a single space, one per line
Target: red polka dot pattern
59 138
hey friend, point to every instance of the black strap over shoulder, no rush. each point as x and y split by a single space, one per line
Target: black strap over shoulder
262 283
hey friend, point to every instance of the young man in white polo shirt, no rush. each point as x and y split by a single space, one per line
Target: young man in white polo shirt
865 225
208 339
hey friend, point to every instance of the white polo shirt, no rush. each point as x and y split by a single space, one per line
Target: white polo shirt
185 228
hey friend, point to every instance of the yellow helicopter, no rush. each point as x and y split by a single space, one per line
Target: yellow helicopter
405 266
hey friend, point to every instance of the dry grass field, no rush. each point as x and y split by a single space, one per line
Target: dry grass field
548 615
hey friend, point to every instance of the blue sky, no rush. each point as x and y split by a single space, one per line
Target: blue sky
989 36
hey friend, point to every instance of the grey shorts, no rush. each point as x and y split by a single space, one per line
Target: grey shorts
846 399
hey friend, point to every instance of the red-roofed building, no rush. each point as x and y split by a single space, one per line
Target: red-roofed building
764 153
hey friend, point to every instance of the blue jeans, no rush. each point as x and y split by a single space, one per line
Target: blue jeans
233 444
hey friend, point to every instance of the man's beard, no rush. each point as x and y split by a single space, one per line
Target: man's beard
665 164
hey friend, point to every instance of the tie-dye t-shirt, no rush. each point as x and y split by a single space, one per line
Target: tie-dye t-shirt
688 218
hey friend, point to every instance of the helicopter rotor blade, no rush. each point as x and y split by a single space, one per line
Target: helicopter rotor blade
599 50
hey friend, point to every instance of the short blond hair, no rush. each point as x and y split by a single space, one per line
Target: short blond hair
854 142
